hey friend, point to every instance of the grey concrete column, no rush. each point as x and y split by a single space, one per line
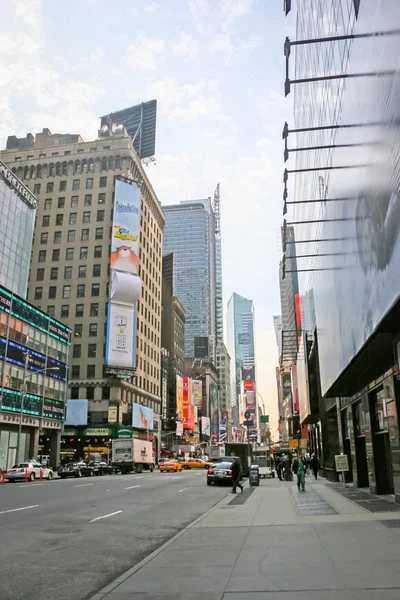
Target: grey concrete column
34 443
55 443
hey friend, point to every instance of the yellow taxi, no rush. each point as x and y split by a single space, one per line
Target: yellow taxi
195 463
170 465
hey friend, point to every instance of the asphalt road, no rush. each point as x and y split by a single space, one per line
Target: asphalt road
69 538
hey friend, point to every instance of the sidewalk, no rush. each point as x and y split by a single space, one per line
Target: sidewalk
275 543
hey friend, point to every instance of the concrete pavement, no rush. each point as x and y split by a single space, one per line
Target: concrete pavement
69 538
279 544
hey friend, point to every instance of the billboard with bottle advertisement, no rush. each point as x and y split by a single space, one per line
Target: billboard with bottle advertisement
179 399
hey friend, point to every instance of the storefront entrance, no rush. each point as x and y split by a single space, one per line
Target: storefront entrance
380 406
360 446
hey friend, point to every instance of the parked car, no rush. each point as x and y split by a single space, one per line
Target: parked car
170 465
220 472
101 468
70 470
18 472
87 470
195 463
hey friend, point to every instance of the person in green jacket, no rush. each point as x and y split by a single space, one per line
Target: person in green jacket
301 475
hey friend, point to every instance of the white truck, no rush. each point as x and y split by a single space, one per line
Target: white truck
132 455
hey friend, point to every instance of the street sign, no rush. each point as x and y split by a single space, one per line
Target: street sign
23 389
264 419
293 443
341 463
248 423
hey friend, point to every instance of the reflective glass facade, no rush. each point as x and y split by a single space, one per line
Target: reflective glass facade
189 234
17 219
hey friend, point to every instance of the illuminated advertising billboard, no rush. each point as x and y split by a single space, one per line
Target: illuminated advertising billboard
248 373
205 427
214 412
248 385
125 284
222 431
188 410
250 398
142 416
179 398
197 393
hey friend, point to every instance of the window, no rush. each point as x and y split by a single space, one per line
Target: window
103 182
57 237
75 372
69 254
38 293
77 351
61 203
46 220
52 291
67 272
59 219
71 235
82 271
89 183
99 233
36 188
79 310
97 251
95 289
63 186
83 254
94 310
67 291
47 204
74 201
54 273
43 238
92 350
49 189
89 393
76 184
86 217
40 274
102 198
91 371
80 290
42 255
78 330
51 309
84 235
100 215
72 218
88 200
96 270
64 311
92 329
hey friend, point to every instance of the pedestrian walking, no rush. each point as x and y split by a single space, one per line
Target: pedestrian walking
315 465
278 466
301 475
236 470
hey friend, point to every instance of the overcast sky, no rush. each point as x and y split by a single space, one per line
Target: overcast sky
216 68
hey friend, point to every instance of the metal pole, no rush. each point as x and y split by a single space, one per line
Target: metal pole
22 394
249 454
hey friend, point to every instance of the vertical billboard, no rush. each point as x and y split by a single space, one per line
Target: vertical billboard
214 412
142 416
222 431
197 393
188 411
179 399
125 284
205 427
77 412
295 389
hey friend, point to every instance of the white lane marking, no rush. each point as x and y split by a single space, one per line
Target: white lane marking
175 479
31 484
83 485
15 509
182 490
132 487
106 516
140 477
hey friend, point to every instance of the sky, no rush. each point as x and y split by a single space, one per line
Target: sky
216 68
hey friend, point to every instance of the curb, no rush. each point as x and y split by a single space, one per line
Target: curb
111 586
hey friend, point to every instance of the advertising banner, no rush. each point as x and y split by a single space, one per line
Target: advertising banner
214 412
250 398
77 412
302 381
205 426
197 392
142 417
179 398
113 412
188 411
125 228
248 385
295 390
222 431
179 429
248 374
121 335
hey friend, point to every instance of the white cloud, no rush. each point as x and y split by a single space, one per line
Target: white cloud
154 7
143 55
235 52
198 8
96 54
187 47
29 11
20 43
234 9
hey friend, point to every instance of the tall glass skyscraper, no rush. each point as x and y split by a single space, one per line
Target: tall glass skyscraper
240 338
190 234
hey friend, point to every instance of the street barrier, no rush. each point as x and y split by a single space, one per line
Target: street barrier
41 474
3 476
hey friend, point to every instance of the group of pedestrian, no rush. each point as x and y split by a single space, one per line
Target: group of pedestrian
286 465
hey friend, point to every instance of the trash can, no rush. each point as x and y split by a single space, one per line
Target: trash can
254 475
